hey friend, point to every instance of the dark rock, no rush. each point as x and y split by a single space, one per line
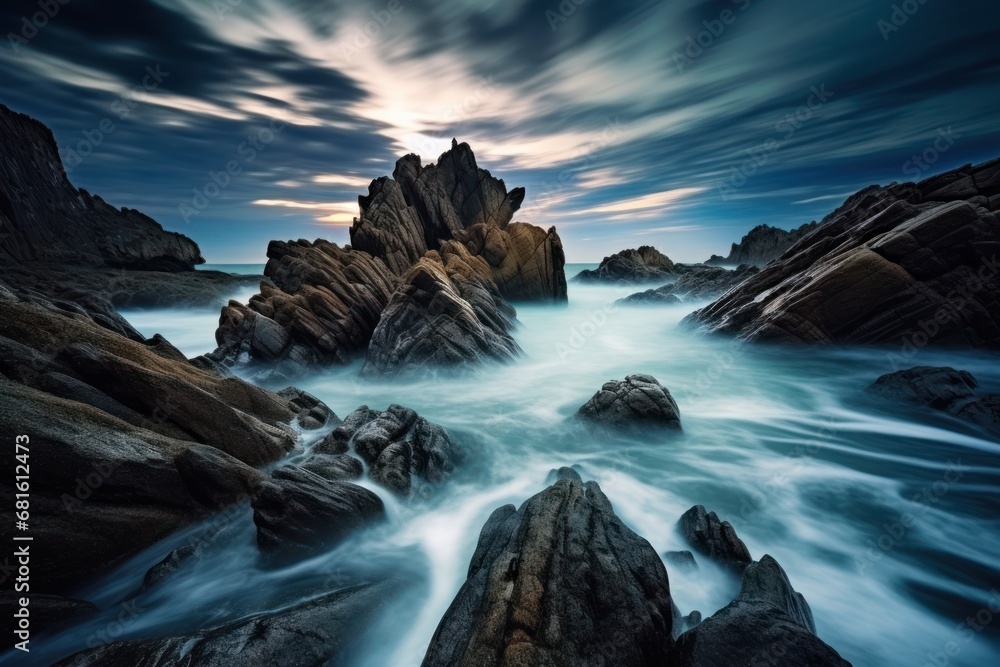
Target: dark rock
312 412
637 402
682 560
398 445
169 565
943 389
447 313
642 265
659 295
762 244
699 283
715 539
214 478
335 467
560 581
299 514
768 623
320 631
885 268
45 218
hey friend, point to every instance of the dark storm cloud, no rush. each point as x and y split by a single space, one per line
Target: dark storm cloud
627 122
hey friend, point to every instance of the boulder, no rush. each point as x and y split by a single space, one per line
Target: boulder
323 630
335 467
639 265
45 219
714 538
911 265
447 313
638 402
398 445
699 283
299 514
944 389
560 581
769 623
214 478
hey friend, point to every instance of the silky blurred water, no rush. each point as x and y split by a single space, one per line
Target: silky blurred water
783 442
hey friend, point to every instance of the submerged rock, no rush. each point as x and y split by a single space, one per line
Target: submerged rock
560 581
769 623
944 389
637 402
639 265
714 538
398 445
889 266
321 631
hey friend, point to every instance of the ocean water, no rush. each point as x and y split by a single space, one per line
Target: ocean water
885 518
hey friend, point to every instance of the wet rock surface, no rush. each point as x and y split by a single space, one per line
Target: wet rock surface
940 388
638 402
889 266
713 538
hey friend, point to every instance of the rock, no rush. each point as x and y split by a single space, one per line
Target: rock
885 268
214 478
682 560
321 631
399 445
762 244
447 313
335 467
713 538
110 419
46 219
635 403
699 283
768 623
659 296
299 514
642 265
47 612
322 308
943 389
560 581
526 261
312 412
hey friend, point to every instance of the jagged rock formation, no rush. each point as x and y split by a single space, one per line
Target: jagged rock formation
713 538
698 284
560 581
635 403
911 265
944 389
433 249
398 445
111 419
642 265
762 244
447 313
43 218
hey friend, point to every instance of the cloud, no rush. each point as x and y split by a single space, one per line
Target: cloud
335 213
659 201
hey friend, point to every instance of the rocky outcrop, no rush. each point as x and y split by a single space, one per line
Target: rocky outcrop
438 236
912 265
43 218
399 446
447 313
713 538
944 389
638 402
320 631
769 623
640 265
560 581
300 514
762 244
700 283
111 417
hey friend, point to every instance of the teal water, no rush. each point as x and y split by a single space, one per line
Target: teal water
782 442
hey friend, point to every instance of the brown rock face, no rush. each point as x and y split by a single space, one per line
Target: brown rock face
433 249
912 265
560 581
44 218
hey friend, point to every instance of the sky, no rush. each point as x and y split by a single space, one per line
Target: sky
675 124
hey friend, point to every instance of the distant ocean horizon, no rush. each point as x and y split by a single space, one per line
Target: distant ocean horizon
258 269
